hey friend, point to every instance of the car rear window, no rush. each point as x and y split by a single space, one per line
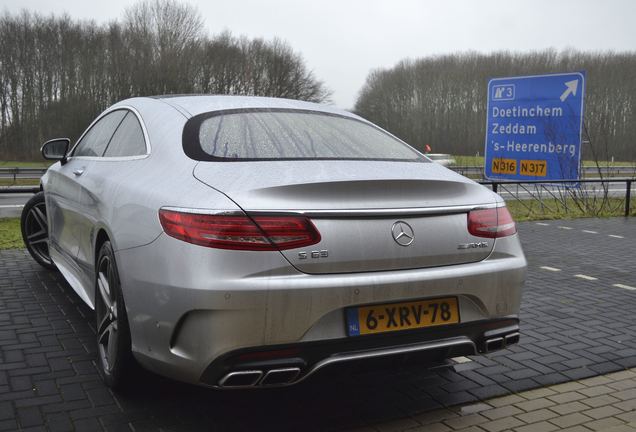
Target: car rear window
288 134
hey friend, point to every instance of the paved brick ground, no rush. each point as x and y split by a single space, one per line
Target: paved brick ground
572 328
603 403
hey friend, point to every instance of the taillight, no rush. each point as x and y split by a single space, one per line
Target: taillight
491 223
240 232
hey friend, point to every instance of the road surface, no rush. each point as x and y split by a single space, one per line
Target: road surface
11 204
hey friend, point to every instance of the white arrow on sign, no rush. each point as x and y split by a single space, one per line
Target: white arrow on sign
571 88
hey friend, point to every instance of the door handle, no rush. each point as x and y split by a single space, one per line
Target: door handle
78 172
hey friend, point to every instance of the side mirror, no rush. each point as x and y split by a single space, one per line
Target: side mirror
56 149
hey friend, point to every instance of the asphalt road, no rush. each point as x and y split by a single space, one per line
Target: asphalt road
577 321
11 204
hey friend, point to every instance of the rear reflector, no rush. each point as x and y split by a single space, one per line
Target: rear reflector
491 223
240 232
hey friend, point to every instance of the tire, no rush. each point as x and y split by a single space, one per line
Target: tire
35 230
114 357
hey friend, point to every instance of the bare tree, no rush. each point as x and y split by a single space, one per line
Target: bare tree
166 35
441 100
57 73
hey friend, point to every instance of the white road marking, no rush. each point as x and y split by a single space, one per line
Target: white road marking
461 360
615 236
627 287
590 232
550 268
586 277
12 206
565 228
542 224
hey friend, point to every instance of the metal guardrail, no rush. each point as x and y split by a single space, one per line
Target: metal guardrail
38 172
18 189
586 171
19 172
475 170
628 185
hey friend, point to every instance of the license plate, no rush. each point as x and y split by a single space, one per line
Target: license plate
402 316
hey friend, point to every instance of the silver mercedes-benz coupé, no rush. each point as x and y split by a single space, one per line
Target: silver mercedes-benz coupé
249 242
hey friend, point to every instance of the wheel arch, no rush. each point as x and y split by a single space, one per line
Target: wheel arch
101 237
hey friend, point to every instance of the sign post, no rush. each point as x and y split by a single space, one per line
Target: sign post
533 127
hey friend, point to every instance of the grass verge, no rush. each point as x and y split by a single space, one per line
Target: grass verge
469 160
10 235
479 161
19 182
26 164
527 210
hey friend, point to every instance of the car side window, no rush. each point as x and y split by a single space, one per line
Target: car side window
128 139
96 139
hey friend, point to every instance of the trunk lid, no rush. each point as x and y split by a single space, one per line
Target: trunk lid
359 208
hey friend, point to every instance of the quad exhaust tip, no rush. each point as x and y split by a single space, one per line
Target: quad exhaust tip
512 338
247 378
501 342
252 378
280 376
495 344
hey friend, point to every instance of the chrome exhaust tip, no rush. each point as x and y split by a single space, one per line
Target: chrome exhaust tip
501 342
495 344
280 376
512 338
248 378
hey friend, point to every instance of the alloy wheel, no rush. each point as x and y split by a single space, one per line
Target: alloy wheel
106 308
37 232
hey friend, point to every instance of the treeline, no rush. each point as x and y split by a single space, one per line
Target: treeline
441 100
57 73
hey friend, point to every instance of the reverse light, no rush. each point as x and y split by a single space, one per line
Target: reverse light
240 232
491 223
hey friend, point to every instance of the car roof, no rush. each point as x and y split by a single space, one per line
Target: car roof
192 105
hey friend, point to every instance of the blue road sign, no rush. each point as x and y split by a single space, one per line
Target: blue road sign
533 127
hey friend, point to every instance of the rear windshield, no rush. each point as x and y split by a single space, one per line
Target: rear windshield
289 134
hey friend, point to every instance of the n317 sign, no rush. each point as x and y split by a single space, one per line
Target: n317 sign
534 126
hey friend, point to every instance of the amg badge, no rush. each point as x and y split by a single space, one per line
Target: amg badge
472 245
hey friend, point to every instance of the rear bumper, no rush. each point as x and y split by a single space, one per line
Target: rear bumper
304 359
191 308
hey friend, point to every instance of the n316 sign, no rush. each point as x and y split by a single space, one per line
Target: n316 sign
533 128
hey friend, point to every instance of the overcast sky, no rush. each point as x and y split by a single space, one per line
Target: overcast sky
342 40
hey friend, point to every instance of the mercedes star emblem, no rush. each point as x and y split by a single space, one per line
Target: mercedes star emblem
402 233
